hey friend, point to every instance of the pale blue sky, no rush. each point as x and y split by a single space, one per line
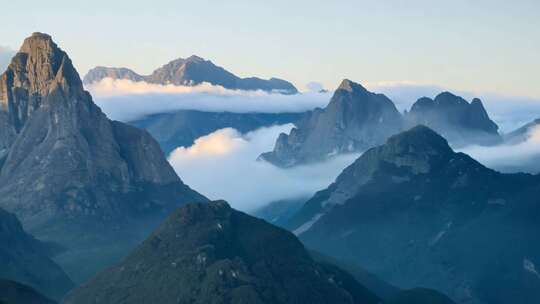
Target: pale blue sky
479 46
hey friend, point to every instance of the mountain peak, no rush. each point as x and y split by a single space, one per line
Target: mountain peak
204 253
420 138
194 58
350 86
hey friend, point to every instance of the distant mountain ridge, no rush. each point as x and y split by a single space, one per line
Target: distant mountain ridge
449 219
356 119
181 128
192 71
459 121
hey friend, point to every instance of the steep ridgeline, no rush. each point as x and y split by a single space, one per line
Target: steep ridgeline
181 128
68 171
25 259
460 122
210 253
353 121
191 71
415 213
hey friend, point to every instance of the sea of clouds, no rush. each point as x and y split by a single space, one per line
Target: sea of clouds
223 165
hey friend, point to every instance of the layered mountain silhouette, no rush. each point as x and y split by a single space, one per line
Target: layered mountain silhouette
69 173
191 71
460 122
12 292
181 128
416 213
354 120
25 259
211 253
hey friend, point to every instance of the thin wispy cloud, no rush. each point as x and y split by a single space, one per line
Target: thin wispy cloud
126 100
223 165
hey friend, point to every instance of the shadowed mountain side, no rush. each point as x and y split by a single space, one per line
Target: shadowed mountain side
15 293
25 259
181 128
210 253
415 213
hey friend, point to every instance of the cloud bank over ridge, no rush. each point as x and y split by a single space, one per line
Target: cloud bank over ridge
223 165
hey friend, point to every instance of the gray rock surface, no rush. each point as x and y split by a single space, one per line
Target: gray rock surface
66 168
354 121
191 71
460 122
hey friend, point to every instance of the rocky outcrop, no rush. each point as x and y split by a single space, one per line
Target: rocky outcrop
449 218
66 168
191 71
210 253
25 259
460 122
354 121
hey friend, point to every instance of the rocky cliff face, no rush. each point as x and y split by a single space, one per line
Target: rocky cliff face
25 259
65 164
416 213
210 253
460 122
191 71
354 120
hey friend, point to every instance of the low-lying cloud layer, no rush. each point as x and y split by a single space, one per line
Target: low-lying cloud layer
126 100
223 165
520 157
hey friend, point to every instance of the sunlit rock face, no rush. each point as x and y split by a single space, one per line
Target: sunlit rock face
460 122
416 213
66 168
210 253
354 120
192 71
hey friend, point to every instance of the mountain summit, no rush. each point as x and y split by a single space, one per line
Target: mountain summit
353 121
191 71
211 253
65 168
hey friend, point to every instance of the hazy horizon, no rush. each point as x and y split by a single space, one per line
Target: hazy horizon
485 46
